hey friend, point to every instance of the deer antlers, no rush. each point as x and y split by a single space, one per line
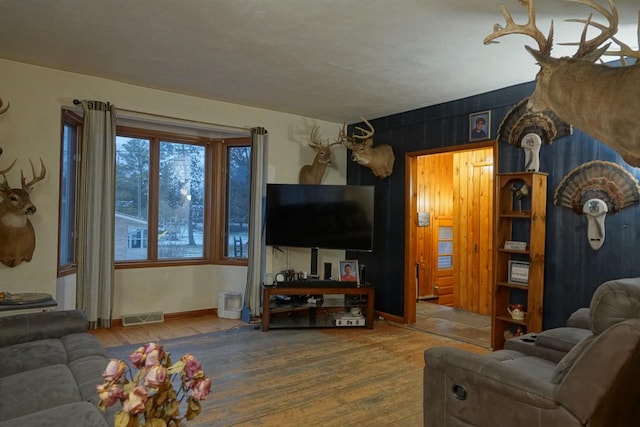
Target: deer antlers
588 50
25 185
607 33
528 29
38 178
365 134
317 142
4 171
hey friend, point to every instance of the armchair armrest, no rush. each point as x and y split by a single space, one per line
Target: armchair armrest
490 373
36 326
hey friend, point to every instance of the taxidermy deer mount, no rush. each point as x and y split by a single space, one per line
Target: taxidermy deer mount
600 100
313 173
379 159
17 237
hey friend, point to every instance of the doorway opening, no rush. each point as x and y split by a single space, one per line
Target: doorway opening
449 235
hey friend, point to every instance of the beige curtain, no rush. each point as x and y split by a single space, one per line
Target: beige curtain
257 254
96 204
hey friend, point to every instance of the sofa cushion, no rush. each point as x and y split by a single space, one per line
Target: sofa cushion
87 373
35 390
541 369
82 345
76 414
579 319
31 355
564 366
613 302
562 339
38 326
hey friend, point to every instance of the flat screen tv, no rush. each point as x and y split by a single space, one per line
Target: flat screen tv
320 216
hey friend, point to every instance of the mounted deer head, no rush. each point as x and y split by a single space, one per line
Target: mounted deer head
17 237
379 159
313 173
600 100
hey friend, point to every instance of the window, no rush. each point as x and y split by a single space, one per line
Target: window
137 238
238 185
71 133
445 247
132 198
180 198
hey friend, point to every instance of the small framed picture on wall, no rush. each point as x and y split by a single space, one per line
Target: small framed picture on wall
480 126
349 271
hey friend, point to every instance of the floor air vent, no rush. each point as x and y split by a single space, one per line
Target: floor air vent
141 319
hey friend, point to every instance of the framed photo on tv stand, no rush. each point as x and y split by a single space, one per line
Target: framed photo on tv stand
349 271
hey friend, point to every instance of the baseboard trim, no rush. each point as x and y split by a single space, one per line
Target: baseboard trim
178 315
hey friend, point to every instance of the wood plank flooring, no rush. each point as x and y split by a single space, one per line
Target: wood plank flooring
171 328
314 377
454 323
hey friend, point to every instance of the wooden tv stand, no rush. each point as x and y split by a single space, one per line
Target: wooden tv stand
315 287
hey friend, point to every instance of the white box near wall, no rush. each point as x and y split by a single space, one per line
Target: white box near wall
229 305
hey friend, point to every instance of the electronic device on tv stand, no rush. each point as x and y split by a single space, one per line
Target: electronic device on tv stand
320 217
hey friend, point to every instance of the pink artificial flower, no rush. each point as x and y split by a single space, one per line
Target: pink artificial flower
138 357
200 388
114 371
156 376
136 401
155 353
110 395
191 365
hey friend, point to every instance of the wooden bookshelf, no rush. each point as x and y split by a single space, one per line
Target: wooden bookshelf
523 221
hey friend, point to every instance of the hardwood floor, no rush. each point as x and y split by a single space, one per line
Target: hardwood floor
170 328
453 323
315 377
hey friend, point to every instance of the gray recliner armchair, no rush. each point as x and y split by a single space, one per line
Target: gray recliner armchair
595 383
554 344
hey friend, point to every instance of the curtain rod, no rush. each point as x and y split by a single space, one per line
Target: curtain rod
77 102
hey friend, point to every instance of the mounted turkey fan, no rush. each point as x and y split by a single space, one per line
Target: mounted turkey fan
594 189
522 128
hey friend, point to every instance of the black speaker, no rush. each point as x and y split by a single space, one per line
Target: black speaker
327 270
314 262
363 274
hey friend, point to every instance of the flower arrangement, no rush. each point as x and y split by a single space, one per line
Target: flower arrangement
149 398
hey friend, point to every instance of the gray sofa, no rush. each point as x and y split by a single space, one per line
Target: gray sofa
594 383
554 344
49 369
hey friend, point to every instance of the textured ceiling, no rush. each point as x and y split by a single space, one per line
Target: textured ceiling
332 60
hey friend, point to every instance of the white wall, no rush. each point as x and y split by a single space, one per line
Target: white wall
31 129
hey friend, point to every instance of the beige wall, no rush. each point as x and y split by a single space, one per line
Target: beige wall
31 129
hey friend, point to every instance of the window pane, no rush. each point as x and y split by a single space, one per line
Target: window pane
181 201
132 199
68 175
238 184
445 262
445 233
445 248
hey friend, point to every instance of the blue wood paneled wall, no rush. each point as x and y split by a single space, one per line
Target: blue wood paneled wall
572 269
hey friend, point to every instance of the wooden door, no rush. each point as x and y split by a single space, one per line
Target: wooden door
433 199
443 267
473 222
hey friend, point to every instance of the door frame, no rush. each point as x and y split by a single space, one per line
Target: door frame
411 158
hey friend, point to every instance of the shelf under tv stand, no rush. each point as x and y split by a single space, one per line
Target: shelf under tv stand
312 318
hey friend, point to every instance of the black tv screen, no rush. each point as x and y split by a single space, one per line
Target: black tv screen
320 216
